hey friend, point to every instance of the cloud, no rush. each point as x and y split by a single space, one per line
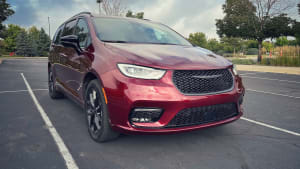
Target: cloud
187 16
184 16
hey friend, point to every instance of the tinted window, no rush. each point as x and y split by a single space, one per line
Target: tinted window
136 31
68 30
82 31
57 35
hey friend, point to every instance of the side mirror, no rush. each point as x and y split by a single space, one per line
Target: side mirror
71 41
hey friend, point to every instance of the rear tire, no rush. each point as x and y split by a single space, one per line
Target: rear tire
97 114
54 94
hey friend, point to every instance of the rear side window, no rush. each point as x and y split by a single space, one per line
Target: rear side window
69 28
56 38
82 31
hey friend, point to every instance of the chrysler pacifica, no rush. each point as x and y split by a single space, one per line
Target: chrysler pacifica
139 76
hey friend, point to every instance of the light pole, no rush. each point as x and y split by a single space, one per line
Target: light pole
99 2
49 26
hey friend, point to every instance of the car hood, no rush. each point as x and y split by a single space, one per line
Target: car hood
169 56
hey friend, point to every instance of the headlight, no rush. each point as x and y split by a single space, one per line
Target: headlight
141 72
235 72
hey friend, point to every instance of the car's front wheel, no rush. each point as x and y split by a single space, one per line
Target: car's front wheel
97 114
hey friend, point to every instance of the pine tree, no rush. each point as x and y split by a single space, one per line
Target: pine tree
43 43
33 34
32 46
22 44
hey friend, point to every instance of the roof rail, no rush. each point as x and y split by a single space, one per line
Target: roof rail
88 13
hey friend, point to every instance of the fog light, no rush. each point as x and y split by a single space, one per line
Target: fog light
145 115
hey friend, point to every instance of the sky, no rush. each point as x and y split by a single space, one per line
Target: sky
184 16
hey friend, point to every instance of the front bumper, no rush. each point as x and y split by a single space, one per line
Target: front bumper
124 94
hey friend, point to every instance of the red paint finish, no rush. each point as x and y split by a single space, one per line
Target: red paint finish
124 93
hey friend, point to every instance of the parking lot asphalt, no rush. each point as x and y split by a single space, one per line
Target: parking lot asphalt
272 102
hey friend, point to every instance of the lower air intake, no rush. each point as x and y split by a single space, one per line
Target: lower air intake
203 115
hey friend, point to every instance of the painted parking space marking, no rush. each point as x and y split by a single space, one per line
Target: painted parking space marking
18 91
243 74
70 162
277 94
270 126
262 78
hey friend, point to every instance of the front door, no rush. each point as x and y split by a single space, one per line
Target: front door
78 62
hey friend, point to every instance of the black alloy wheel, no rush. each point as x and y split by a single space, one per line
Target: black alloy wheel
97 114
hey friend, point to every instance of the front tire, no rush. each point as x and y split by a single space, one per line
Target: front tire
97 114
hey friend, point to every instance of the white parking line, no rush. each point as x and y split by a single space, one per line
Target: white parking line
17 91
243 74
262 78
258 91
270 126
70 163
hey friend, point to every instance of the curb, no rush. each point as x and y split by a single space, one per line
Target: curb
269 69
12 58
19 58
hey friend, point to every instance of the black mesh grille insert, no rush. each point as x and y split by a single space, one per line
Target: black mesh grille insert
202 81
202 115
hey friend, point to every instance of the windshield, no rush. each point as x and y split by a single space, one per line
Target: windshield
118 30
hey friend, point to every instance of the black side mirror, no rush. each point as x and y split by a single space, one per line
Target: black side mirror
71 41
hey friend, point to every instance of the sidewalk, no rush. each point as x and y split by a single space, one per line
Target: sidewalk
271 69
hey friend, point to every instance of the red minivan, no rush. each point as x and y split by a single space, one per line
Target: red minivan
138 76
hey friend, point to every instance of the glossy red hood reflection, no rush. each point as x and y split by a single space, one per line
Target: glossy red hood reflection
169 56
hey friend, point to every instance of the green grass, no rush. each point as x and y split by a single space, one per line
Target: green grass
279 61
243 61
282 61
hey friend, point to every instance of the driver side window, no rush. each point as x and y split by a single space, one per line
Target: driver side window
82 31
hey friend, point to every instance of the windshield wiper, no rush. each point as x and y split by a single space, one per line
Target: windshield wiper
115 41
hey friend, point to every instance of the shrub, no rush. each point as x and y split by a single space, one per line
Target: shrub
243 61
252 51
227 54
282 61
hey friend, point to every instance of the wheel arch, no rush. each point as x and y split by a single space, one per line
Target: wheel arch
89 76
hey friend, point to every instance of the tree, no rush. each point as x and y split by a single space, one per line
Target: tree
236 20
5 12
282 41
10 37
214 45
139 15
198 39
299 8
278 26
23 44
34 32
296 31
43 43
113 7
232 44
268 46
251 44
249 19
33 36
